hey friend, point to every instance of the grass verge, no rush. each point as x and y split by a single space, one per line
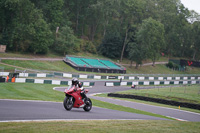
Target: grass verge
108 126
59 66
40 65
63 67
125 109
160 69
188 94
151 103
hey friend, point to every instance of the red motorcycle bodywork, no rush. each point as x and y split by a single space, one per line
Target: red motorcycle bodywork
76 94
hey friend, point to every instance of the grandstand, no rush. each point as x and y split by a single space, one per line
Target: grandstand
94 65
109 64
78 61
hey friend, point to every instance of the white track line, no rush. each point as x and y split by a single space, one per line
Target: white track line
176 118
49 120
18 100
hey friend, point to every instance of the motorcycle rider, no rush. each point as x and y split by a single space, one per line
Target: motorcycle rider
79 86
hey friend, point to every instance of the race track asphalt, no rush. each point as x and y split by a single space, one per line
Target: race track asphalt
15 110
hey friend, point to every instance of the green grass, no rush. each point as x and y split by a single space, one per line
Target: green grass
6 68
160 69
19 55
63 67
104 126
28 55
190 94
45 92
30 91
125 109
151 103
58 66
41 65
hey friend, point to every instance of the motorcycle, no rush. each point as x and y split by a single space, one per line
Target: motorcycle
73 99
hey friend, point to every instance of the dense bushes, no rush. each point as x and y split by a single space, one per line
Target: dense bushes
173 66
69 26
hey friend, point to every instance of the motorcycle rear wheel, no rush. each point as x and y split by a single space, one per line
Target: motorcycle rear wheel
68 104
88 105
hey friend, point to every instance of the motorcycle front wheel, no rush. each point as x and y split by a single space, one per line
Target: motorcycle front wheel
68 103
88 105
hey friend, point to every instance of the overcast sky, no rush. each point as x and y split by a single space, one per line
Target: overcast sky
192 5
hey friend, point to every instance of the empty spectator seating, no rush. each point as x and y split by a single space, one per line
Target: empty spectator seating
94 63
110 64
78 61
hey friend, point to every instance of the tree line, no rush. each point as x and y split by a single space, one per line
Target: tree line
135 29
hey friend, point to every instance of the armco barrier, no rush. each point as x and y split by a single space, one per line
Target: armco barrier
4 73
152 83
169 102
54 82
144 79
138 77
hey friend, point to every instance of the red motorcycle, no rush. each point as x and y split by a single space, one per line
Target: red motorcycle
74 99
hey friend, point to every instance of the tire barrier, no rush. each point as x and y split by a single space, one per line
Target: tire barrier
53 82
183 82
2 79
168 102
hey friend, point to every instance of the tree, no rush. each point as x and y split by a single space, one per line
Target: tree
173 15
195 41
30 25
65 41
52 10
79 13
26 28
131 11
151 35
194 16
42 37
137 53
87 46
108 10
111 45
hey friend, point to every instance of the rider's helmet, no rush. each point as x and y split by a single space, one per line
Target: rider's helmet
75 81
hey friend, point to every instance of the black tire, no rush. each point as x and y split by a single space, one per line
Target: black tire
88 105
68 104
